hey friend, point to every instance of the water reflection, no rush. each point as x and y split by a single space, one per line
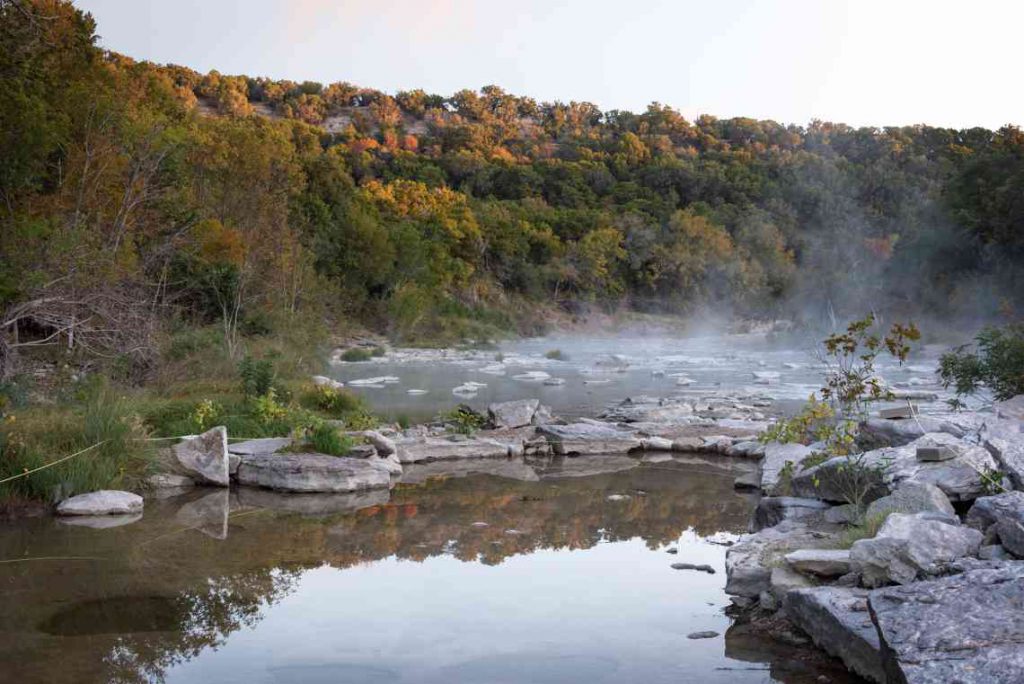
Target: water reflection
457 576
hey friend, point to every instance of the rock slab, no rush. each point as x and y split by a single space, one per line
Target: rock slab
968 628
312 473
837 620
102 502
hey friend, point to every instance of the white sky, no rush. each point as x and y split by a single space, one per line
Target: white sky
863 62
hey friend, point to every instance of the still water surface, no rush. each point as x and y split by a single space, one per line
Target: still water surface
533 575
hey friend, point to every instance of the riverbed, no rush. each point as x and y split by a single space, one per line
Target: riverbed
550 571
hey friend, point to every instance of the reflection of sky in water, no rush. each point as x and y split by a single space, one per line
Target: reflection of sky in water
615 613
716 364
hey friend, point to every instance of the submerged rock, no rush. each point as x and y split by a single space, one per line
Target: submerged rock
838 622
312 473
102 502
204 457
968 628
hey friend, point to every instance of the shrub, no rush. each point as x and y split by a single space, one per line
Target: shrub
997 360
356 354
378 351
266 409
325 439
556 355
257 376
334 401
463 420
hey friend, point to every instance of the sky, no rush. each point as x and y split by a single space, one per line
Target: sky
861 62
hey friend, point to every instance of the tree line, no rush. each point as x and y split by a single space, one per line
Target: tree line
138 197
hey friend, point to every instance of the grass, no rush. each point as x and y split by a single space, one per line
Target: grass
356 354
325 439
39 435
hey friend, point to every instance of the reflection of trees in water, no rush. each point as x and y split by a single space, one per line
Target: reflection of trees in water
203 619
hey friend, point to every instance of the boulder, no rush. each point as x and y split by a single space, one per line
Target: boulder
882 432
838 621
204 457
776 456
513 414
820 562
1005 442
840 479
312 473
749 562
845 514
782 581
911 497
385 446
102 502
771 510
967 628
909 547
1003 512
1011 409
655 444
324 381
588 438
425 449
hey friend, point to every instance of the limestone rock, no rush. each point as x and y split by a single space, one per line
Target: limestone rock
838 622
909 547
588 438
425 449
169 481
911 497
1011 409
967 628
513 414
1004 512
102 502
312 473
748 563
776 456
771 510
204 457
821 562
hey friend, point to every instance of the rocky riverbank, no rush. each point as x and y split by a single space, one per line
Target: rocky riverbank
926 586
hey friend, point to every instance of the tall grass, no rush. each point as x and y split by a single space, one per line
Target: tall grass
37 436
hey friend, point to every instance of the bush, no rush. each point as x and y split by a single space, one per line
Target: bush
464 420
257 376
997 360
356 354
378 351
556 355
325 439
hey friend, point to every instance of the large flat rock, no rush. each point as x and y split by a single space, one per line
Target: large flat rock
425 449
838 621
291 472
263 445
589 438
968 628
102 502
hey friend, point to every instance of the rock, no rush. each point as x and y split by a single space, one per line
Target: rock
384 446
994 552
748 480
1011 409
776 456
838 622
169 481
881 432
324 381
748 563
935 453
766 377
845 514
771 510
208 514
897 413
102 502
702 635
690 566
782 581
513 414
513 469
686 445
967 629
820 562
312 473
204 457
912 546
1005 442
265 445
747 449
1004 512
233 462
587 438
838 480
425 449
911 497
655 444
542 416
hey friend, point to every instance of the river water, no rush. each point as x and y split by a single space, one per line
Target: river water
556 571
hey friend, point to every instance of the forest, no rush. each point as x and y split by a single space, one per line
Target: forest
140 198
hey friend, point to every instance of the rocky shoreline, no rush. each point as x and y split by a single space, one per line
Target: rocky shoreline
934 594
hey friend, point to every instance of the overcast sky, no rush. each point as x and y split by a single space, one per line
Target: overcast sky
863 62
